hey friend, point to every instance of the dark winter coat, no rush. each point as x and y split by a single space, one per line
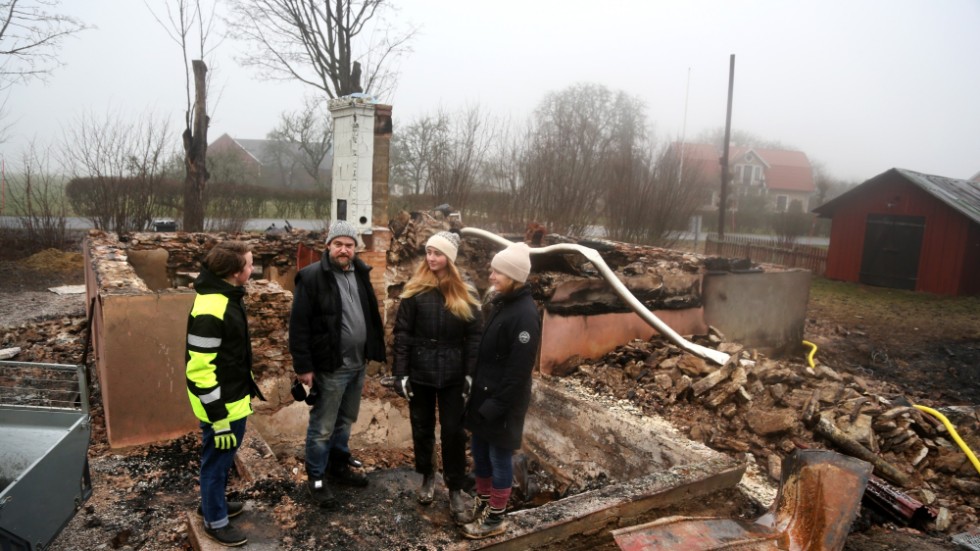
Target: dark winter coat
502 385
316 318
432 346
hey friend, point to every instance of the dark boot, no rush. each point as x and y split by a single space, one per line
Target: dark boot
427 489
321 495
343 474
235 508
490 523
460 506
227 535
477 505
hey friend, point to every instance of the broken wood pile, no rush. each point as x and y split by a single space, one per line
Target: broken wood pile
763 409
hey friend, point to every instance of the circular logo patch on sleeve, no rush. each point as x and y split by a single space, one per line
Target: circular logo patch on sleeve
524 337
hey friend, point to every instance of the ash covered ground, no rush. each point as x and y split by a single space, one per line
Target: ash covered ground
142 494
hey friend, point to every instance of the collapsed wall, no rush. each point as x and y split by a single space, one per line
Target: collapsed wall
139 289
138 286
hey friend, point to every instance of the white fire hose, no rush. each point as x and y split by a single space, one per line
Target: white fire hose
593 256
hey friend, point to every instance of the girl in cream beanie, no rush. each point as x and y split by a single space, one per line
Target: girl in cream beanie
501 390
514 262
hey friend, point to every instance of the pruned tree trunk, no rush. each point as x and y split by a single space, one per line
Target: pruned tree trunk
195 153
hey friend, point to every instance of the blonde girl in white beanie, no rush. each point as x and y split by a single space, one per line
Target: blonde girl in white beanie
437 333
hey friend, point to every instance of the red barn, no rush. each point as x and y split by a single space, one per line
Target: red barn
907 230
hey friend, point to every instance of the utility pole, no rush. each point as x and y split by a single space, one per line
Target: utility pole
724 157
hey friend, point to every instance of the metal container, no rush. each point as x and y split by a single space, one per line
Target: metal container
44 438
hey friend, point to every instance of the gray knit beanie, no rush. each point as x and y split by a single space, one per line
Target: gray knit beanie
514 262
445 242
341 228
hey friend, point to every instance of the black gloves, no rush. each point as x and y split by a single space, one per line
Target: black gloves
404 388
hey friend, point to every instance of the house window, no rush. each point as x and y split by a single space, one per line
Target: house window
746 174
781 202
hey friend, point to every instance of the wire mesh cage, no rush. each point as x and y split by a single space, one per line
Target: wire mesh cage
968 540
43 385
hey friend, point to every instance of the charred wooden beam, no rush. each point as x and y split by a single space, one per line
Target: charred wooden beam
827 429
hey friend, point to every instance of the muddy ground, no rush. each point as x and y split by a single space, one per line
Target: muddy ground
142 494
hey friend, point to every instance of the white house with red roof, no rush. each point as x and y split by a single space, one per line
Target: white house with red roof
782 175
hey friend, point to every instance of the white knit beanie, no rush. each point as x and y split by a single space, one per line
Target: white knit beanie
341 228
445 242
514 262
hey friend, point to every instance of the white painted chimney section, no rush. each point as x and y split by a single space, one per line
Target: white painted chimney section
353 174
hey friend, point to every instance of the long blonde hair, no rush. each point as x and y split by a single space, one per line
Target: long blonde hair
459 295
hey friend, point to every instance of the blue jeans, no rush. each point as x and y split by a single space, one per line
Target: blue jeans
331 418
215 464
489 461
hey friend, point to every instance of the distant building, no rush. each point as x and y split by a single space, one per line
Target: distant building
907 230
264 162
781 175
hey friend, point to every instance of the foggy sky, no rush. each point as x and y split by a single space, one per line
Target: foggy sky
859 86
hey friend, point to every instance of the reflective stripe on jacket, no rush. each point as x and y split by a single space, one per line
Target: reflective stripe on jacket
219 354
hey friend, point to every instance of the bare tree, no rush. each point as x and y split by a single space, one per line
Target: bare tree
458 157
790 225
499 202
306 137
337 46
567 163
116 168
187 21
654 199
413 151
31 35
37 193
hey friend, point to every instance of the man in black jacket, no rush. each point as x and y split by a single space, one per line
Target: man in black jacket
334 329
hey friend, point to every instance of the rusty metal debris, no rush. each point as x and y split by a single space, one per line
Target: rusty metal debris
819 496
897 504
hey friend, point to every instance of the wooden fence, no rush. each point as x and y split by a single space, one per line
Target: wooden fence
769 251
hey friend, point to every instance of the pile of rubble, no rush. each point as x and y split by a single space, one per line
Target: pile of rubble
764 409
268 312
185 251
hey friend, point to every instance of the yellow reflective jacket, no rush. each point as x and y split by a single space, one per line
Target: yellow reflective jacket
219 354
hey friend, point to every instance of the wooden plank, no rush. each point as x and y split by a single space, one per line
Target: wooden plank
604 509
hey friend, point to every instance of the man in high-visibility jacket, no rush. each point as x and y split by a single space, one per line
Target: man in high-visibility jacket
219 379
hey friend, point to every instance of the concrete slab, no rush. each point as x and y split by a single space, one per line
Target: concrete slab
758 310
140 348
